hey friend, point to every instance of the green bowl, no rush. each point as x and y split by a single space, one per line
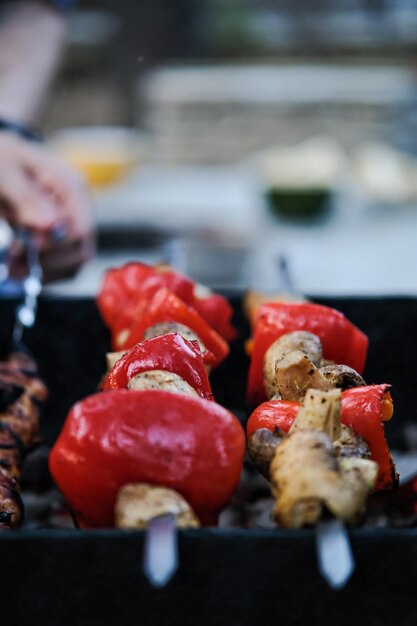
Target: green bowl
297 202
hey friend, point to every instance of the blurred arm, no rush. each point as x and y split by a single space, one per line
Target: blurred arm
32 38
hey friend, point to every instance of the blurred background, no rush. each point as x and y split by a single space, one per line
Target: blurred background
224 137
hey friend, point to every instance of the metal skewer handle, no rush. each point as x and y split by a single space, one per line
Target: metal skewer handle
31 284
160 557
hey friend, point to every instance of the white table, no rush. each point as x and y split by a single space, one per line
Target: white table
358 250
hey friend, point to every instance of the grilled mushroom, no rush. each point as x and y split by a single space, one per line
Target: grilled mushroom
342 376
262 446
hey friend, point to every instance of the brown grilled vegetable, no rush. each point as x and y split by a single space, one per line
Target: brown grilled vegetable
262 446
342 376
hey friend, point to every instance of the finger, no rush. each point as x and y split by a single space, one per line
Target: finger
67 188
24 202
64 260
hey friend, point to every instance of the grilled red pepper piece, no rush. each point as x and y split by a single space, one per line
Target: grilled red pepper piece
273 414
364 409
217 312
342 341
126 290
165 306
171 353
184 443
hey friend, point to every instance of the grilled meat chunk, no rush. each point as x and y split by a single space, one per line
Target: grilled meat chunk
138 503
295 373
301 340
160 379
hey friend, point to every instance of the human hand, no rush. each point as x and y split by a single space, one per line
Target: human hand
43 194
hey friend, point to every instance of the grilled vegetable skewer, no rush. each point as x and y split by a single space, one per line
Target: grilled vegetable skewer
309 473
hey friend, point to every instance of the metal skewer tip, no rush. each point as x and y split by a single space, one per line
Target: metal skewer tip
160 558
334 552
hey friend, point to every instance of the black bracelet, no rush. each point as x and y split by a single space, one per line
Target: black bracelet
22 131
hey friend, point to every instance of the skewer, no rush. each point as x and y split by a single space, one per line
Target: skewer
406 464
334 552
160 557
285 275
32 287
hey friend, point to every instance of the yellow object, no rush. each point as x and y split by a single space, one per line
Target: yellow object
99 172
103 154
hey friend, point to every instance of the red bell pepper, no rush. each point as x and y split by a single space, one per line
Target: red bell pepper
342 341
171 353
126 290
273 414
184 443
217 312
364 409
126 286
165 306
116 291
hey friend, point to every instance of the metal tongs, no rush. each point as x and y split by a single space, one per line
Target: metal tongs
28 288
